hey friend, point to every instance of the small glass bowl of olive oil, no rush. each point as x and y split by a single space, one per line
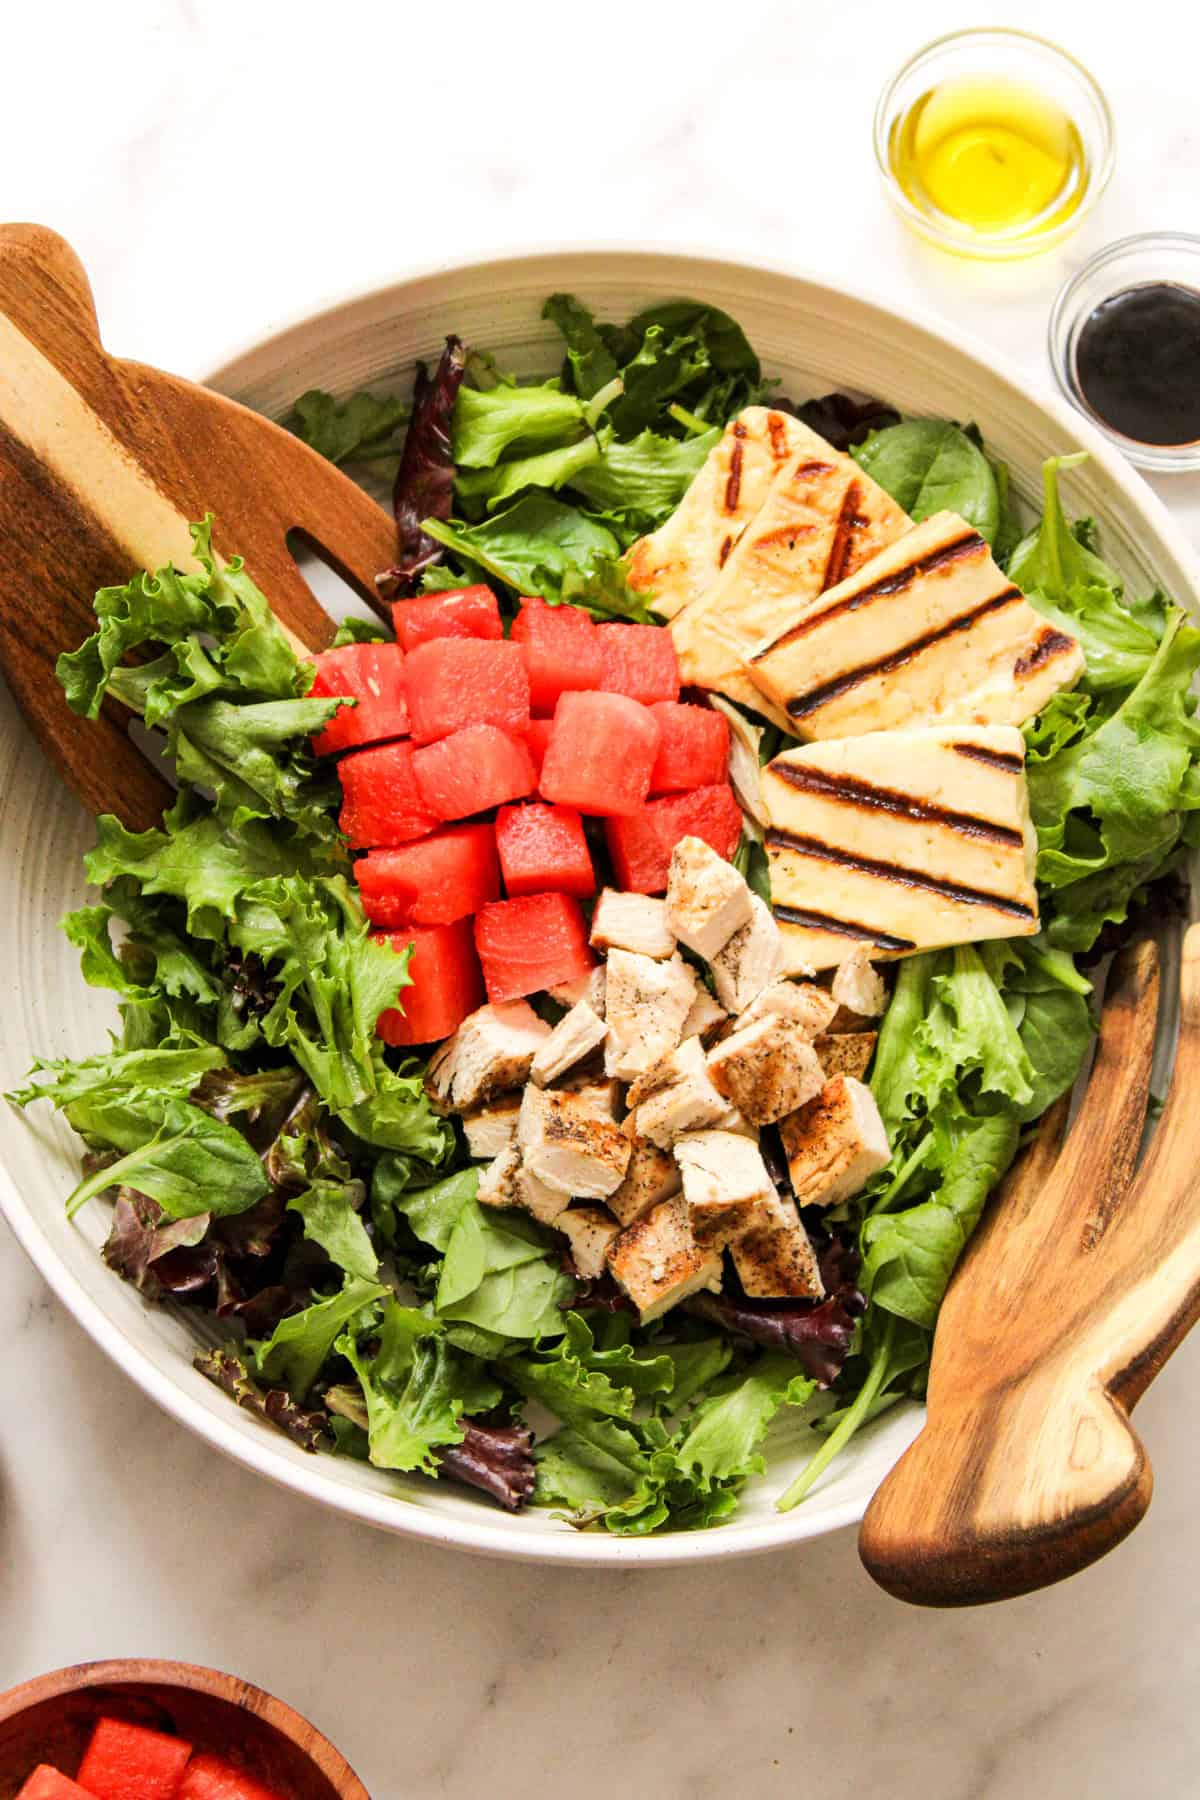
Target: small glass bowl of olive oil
993 144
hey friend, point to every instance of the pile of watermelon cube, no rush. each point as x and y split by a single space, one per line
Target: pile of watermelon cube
467 766
130 1762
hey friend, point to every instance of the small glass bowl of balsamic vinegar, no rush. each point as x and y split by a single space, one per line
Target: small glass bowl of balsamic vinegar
993 144
1125 347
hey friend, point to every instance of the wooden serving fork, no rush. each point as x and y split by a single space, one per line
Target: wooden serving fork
102 465
1081 1280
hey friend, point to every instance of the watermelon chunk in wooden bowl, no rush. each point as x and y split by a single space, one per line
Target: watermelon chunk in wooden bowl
51 1720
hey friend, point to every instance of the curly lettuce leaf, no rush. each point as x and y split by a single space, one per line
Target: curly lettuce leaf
635 1477
415 1386
359 429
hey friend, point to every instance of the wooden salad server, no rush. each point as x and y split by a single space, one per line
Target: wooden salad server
1074 1291
102 465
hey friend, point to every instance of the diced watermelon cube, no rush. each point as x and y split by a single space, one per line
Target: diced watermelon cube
447 984
600 754
51 1784
208 1777
640 661
131 1762
530 943
543 851
381 802
469 612
372 674
693 748
454 682
478 768
537 736
439 879
641 846
561 649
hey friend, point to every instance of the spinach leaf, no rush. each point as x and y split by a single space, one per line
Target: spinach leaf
181 1156
929 466
501 1273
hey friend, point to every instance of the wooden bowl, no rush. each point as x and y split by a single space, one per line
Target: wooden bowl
50 1720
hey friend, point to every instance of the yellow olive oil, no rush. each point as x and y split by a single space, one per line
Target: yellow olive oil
992 155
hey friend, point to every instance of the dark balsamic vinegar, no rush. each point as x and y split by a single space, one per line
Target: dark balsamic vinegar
1137 362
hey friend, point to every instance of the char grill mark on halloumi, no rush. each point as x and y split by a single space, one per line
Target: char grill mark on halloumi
686 554
928 631
821 520
900 841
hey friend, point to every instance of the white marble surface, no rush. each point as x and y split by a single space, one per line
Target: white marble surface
224 165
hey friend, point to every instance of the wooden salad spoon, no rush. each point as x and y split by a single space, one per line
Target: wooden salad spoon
1078 1285
1081 1280
103 463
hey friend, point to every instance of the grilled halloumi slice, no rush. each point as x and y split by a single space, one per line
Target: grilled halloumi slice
686 554
822 519
900 841
929 630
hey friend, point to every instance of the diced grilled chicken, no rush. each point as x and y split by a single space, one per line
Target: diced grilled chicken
775 1259
725 1184
589 987
650 1176
835 1143
570 1145
646 1003
930 631
590 1231
493 1128
857 986
752 958
575 1036
657 1262
707 899
601 1092
492 1050
847 1052
507 1182
822 519
733 1119
686 554
766 1069
677 1095
631 922
705 1015
809 1009
901 841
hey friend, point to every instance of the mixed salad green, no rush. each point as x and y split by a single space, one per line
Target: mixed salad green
269 1162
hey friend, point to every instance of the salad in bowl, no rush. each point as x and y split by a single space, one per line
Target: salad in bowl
569 1030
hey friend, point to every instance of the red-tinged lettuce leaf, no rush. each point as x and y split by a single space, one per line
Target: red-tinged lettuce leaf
226 1368
842 421
425 479
818 1333
498 1459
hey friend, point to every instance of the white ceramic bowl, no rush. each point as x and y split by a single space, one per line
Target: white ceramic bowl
814 337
